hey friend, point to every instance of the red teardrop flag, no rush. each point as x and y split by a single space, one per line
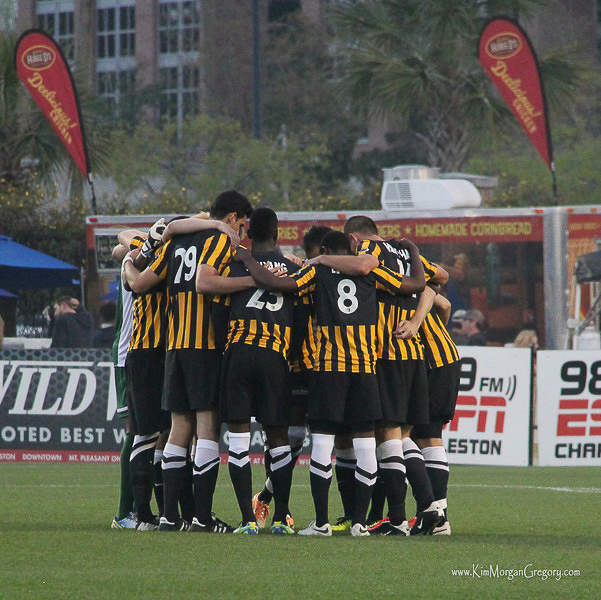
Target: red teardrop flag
42 67
507 56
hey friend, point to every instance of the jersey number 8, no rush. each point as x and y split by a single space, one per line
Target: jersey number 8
347 296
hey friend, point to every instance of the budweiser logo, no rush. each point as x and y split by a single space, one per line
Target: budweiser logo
39 58
503 45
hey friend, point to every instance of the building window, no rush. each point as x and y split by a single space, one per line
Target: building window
179 54
56 19
116 31
179 26
179 91
113 85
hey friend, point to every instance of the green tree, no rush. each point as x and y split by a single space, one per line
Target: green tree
299 90
190 165
423 74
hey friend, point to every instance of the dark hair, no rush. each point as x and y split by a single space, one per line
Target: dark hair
263 225
336 241
314 236
361 224
230 201
108 311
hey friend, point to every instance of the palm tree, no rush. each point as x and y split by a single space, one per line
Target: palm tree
414 62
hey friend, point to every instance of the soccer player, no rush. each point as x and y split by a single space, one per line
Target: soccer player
443 362
192 361
145 366
301 358
255 377
344 394
402 382
125 517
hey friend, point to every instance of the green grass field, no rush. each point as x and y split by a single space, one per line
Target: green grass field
55 543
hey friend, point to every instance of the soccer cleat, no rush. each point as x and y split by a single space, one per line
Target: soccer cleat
412 522
249 529
152 525
216 526
358 530
179 525
385 527
127 522
261 510
371 526
428 519
444 529
279 528
371 522
342 524
324 530
290 521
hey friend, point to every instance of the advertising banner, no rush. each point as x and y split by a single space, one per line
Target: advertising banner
492 418
433 231
507 56
44 71
59 405
569 408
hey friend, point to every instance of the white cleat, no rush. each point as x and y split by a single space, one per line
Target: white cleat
324 530
358 530
444 529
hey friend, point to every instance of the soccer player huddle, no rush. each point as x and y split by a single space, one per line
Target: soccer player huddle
349 342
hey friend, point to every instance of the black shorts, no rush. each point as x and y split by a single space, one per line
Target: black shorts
424 432
145 372
403 391
191 380
344 398
300 384
255 383
443 387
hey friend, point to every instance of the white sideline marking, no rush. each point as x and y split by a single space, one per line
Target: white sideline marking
577 490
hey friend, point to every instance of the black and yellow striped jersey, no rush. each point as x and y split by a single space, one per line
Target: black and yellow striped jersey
259 317
346 312
304 346
392 309
149 319
122 335
189 319
439 348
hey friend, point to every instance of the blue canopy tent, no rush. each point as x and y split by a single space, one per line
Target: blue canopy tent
22 268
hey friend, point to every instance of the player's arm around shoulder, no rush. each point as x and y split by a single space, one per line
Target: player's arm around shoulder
138 281
353 265
263 277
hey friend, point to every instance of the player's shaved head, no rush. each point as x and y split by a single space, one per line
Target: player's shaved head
360 224
263 225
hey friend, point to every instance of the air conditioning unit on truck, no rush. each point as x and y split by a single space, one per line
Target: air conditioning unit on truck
420 188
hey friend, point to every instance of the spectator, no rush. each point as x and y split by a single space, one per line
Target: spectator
526 338
104 336
455 331
73 326
470 325
458 286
